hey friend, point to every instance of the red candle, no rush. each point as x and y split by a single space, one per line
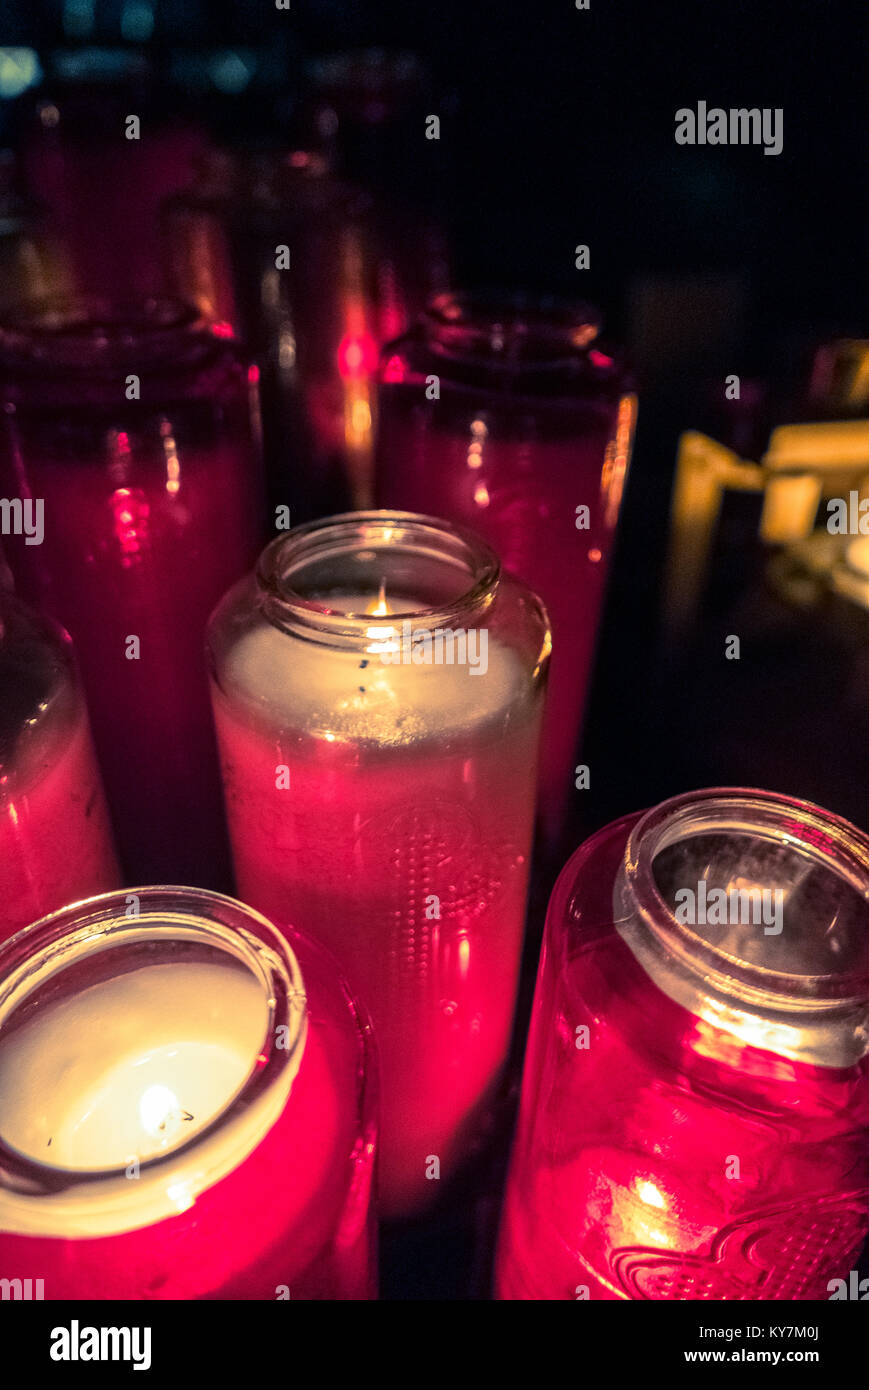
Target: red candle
695 1109
508 419
315 277
101 152
151 508
178 1064
385 805
55 841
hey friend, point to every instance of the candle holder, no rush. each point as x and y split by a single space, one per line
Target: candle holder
377 689
505 416
314 275
55 840
133 431
695 1105
186 1107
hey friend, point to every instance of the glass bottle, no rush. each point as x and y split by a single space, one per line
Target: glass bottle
505 415
695 1107
132 434
378 688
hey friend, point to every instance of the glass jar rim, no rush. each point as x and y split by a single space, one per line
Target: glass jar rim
287 608
820 834
90 334
37 1199
534 333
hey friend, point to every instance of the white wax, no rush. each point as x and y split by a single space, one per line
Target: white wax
351 695
130 1067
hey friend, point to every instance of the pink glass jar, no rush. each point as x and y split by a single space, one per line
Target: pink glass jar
187 1107
134 433
695 1110
506 416
55 840
380 796
100 176
315 276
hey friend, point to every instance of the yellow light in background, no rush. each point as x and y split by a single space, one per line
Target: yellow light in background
615 464
173 466
790 505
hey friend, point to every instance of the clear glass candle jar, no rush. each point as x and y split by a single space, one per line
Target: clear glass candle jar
695 1111
55 840
132 434
186 1107
505 416
378 688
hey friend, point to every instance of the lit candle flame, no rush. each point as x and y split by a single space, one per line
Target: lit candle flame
380 608
383 638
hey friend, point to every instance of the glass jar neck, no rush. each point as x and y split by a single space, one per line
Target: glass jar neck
751 910
352 579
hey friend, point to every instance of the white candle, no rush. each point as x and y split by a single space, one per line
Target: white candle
131 1067
339 694
102 1077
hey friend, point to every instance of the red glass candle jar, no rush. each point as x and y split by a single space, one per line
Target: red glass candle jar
507 417
314 276
695 1111
104 142
55 841
186 1107
134 435
377 689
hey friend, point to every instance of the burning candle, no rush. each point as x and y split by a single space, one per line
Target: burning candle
131 436
55 841
695 1107
166 1059
377 690
509 419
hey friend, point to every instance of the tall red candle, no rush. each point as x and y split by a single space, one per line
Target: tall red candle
55 840
314 276
506 417
383 802
186 1107
135 435
695 1108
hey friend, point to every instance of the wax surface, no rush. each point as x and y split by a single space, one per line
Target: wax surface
131 1066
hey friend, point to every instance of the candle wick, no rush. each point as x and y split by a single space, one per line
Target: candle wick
381 608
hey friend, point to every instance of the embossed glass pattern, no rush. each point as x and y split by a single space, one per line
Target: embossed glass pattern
695 1110
386 807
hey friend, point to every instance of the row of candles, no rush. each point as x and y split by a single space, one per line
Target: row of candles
188 1100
